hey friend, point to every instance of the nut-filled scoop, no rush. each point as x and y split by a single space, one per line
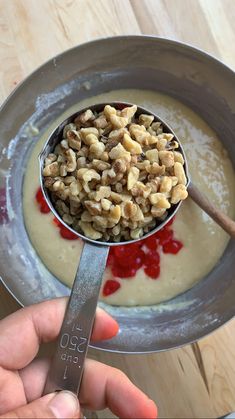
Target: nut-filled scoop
112 174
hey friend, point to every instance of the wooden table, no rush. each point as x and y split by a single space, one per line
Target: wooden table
197 381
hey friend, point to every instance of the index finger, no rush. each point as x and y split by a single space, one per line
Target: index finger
22 332
102 386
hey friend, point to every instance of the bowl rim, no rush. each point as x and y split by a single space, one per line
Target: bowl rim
120 38
51 61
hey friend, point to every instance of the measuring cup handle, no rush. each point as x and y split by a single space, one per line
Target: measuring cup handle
67 365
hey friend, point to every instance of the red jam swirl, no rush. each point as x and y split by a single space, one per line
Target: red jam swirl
44 209
42 202
125 260
64 232
110 286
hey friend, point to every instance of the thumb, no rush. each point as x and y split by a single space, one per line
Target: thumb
61 405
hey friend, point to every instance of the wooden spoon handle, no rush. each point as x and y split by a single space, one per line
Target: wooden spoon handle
218 216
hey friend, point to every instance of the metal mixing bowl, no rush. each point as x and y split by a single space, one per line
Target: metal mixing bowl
193 77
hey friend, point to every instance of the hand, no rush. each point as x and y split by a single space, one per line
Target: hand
22 377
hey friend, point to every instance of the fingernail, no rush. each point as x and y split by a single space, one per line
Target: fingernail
65 405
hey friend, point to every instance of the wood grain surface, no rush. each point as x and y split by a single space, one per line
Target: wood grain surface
197 381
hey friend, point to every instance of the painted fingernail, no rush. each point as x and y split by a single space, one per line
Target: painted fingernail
65 405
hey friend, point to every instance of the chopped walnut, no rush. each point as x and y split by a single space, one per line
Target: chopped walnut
118 121
117 134
167 158
49 182
103 192
93 207
178 157
140 134
156 169
159 200
136 233
129 209
101 122
68 219
115 212
96 150
115 197
152 155
157 212
120 166
50 159
119 152
154 184
115 173
140 189
71 162
84 117
86 216
161 144
58 185
89 231
130 145
179 173
100 165
146 120
51 170
81 162
132 177
166 184
74 139
179 193
106 204
129 112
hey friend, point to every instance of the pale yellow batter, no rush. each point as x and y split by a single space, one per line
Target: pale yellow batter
204 242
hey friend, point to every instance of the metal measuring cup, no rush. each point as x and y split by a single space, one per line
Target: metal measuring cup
67 365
